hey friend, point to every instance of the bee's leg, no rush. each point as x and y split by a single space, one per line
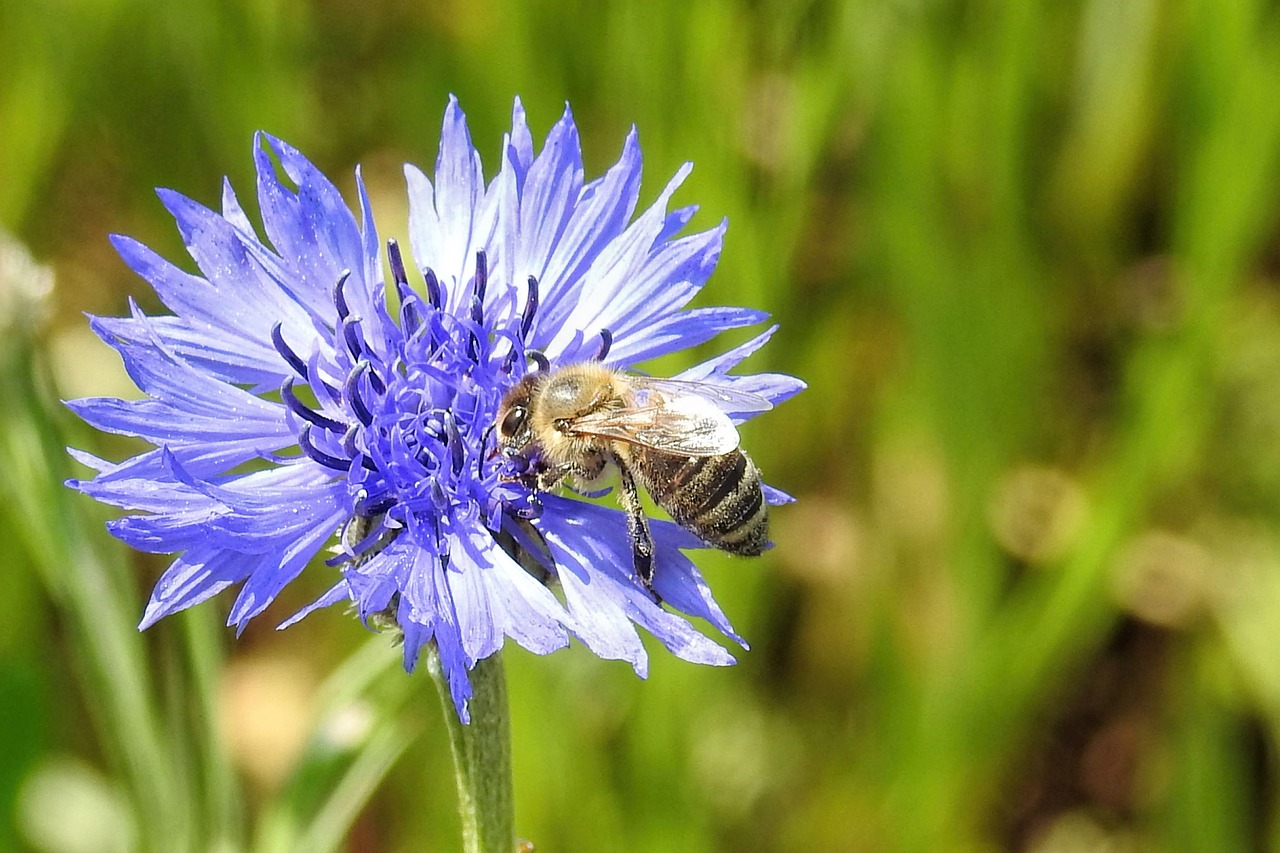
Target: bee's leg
638 526
534 556
544 478
591 468
588 476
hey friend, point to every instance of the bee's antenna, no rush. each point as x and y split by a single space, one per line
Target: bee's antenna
484 442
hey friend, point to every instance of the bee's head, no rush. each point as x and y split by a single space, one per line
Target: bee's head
513 422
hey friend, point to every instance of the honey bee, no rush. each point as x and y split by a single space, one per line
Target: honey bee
669 436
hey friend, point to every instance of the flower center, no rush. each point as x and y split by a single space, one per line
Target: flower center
410 423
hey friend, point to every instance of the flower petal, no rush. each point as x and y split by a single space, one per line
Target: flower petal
195 576
547 203
458 191
495 597
312 229
591 547
426 613
681 331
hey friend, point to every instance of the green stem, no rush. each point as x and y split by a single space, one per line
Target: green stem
482 758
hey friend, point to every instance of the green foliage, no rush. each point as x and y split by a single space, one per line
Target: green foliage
1025 255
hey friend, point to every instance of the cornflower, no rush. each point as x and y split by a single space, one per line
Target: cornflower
296 400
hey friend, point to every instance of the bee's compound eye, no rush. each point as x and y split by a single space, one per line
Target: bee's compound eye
514 420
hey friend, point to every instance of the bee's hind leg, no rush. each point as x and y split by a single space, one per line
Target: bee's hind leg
638 526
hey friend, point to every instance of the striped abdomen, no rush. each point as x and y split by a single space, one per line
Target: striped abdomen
717 497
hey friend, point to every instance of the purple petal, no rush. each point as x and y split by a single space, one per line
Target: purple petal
234 213
427 613
547 203
458 191
681 331
495 597
593 550
246 287
520 144
312 229
272 575
776 497
340 591
197 575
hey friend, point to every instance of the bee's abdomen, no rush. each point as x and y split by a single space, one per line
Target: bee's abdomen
717 497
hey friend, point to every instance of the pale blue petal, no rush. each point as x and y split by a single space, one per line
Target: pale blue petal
458 190
495 597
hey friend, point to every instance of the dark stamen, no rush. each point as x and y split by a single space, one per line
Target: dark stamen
530 308
539 359
315 377
351 336
398 274
369 509
477 304
455 441
307 414
482 281
606 341
304 442
351 393
379 387
298 365
349 441
434 295
340 298
410 319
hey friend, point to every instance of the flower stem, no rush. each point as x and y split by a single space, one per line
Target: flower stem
482 758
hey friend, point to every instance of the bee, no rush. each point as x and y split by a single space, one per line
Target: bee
669 436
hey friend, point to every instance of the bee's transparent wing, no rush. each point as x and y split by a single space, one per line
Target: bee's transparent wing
724 398
684 425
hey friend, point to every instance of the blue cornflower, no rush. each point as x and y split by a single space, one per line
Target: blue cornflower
297 400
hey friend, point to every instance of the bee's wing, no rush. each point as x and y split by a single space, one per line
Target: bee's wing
685 425
724 398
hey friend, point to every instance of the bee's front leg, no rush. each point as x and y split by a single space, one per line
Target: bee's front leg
547 479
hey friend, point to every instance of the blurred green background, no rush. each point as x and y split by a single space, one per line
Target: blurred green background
1025 253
